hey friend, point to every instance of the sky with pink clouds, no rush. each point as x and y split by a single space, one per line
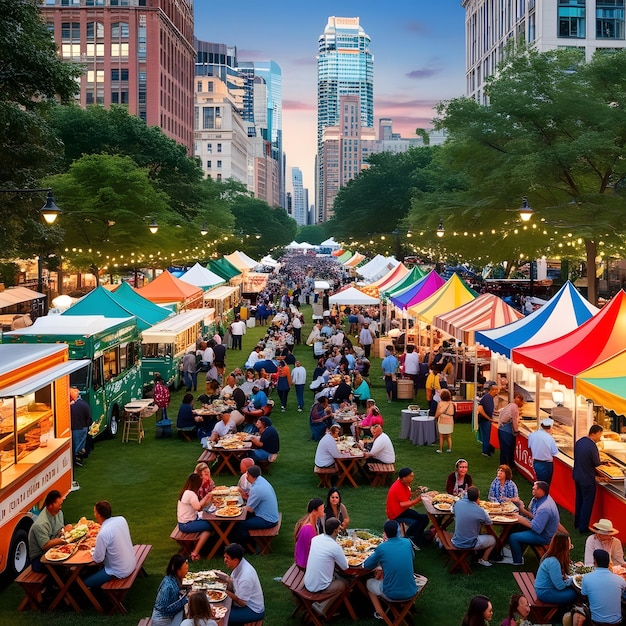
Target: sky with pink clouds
418 48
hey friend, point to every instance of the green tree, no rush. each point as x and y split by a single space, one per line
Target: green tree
96 130
379 198
314 233
554 130
106 200
31 77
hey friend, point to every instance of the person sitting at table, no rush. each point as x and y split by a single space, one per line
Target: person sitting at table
361 391
47 531
320 418
541 520
552 581
604 591
224 427
394 578
603 538
212 392
459 481
399 507
114 547
372 417
262 506
305 529
320 369
266 442
244 588
199 610
171 599
469 518
518 605
327 450
258 402
382 450
229 387
334 507
189 504
479 612
208 484
243 485
186 417
325 556
444 414
503 488
248 383
343 393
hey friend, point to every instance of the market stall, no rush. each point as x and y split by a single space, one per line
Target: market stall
222 299
202 277
392 277
167 289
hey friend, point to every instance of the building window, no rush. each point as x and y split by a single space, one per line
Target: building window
119 74
218 177
119 33
208 118
219 165
70 36
209 148
219 147
208 165
199 87
571 15
610 19
210 86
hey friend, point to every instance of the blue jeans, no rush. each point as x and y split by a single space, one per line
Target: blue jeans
252 522
98 579
417 524
197 526
260 455
191 380
300 395
543 470
525 537
557 596
484 426
506 438
79 440
243 615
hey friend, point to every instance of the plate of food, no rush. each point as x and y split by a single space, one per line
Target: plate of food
443 506
220 491
578 580
228 511
445 497
75 533
356 561
509 507
503 519
61 553
216 595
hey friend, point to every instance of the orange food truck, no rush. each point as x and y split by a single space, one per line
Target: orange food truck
35 440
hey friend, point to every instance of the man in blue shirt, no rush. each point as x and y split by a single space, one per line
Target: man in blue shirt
266 442
262 506
389 366
543 449
586 459
485 411
469 518
604 591
396 580
258 402
541 520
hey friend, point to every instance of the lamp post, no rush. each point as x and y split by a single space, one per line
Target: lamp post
49 212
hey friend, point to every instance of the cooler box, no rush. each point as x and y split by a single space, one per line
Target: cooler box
251 323
405 389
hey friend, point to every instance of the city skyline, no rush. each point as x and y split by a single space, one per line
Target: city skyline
419 59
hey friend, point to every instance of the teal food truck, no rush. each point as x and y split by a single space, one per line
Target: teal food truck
164 345
112 345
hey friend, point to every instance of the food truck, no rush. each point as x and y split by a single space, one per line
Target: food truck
112 346
35 440
164 345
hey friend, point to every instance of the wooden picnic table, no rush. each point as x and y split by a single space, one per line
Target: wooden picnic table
67 576
222 526
228 458
348 465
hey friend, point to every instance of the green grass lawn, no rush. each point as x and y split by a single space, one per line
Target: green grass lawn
142 483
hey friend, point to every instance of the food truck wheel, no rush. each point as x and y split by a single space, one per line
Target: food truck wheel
18 552
114 422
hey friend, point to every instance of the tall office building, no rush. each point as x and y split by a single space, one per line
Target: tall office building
490 25
299 203
345 66
138 53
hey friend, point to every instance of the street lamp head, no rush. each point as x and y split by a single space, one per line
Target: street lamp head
525 212
153 226
204 230
440 229
50 211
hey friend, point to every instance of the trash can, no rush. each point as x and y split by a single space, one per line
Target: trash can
405 389
251 323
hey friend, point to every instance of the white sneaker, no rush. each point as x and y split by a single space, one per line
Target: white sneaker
484 563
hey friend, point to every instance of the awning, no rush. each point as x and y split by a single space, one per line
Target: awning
15 295
40 380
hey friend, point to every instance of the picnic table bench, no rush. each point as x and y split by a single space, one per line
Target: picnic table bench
265 535
379 473
541 611
117 588
207 456
325 475
457 556
31 582
186 541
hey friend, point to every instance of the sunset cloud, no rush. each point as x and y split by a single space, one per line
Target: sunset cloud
425 72
296 105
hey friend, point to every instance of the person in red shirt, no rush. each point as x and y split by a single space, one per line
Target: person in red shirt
399 507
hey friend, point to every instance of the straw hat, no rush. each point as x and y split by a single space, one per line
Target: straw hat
603 527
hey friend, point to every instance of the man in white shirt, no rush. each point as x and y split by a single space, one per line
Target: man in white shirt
298 378
366 339
412 364
224 426
382 450
253 358
114 547
297 324
237 331
325 553
327 450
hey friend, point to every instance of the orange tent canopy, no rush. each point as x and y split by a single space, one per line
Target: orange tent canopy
167 288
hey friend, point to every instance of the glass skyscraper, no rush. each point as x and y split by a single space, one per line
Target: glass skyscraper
345 66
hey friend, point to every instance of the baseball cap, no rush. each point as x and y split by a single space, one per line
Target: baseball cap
489 384
547 422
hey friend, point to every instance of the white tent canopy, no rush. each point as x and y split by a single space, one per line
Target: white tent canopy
201 277
330 243
294 245
352 295
268 260
241 260
377 267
